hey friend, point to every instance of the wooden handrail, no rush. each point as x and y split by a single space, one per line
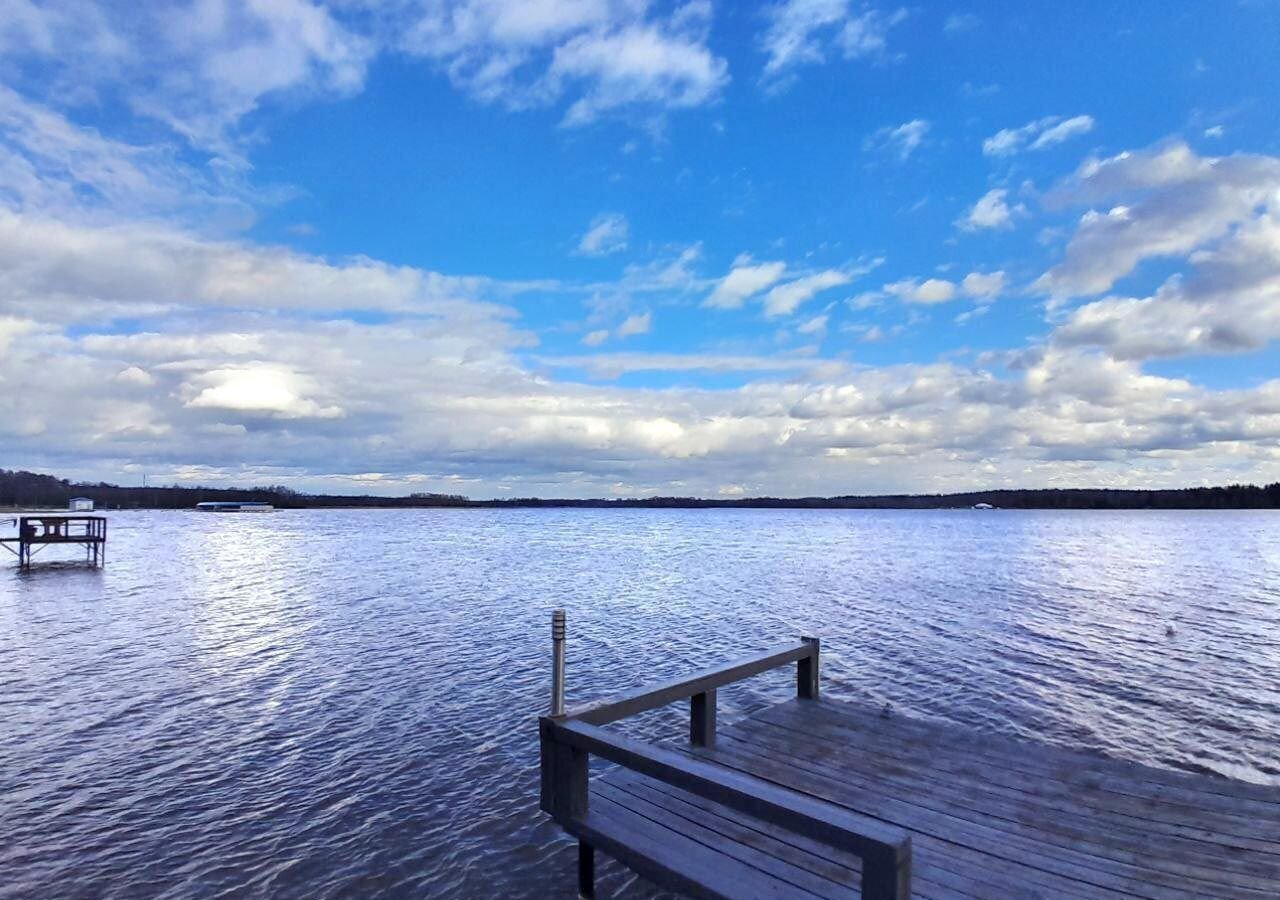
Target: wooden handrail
885 850
602 712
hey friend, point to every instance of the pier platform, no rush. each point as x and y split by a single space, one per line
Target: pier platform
816 797
35 533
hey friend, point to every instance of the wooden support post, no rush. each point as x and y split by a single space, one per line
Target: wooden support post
557 662
702 719
807 671
586 871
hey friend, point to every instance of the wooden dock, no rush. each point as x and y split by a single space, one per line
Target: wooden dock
35 533
821 798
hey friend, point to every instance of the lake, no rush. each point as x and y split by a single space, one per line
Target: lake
343 702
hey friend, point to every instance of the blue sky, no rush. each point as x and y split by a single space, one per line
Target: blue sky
592 248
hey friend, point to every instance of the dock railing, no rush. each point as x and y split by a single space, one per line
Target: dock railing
40 531
568 739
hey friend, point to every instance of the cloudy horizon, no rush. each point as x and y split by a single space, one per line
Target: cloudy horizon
622 248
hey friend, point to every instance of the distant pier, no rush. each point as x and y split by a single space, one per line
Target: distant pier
37 533
823 798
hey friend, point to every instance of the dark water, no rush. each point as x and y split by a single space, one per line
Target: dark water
342 703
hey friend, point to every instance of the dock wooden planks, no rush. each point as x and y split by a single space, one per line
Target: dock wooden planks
987 817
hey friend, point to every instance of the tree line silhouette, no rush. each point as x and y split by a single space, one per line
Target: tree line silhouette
20 489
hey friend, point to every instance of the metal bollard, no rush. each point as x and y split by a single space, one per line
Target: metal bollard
557 662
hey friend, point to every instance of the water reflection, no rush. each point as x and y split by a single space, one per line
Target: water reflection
262 705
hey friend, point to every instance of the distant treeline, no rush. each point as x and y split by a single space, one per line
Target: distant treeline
29 489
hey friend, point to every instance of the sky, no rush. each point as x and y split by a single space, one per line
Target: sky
592 248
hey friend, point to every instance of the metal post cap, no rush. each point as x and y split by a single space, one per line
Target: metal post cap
557 625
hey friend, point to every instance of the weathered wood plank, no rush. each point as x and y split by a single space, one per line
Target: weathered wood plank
602 712
1038 821
1126 874
673 859
928 879
802 876
932 765
1130 776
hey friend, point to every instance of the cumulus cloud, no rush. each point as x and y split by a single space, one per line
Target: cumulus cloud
991 210
900 140
746 278
787 298
202 70
607 234
257 388
804 32
1161 202
1038 135
984 285
607 56
927 292
1230 304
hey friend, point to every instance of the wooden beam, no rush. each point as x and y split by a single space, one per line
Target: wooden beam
603 712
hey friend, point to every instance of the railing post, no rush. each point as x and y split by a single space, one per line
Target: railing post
887 876
807 671
702 719
557 662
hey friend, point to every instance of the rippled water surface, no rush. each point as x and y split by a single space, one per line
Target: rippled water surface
343 703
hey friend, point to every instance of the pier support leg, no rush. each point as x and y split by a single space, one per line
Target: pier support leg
702 719
586 871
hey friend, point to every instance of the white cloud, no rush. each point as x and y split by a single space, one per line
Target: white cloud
258 388
990 211
639 323
613 365
809 31
607 234
596 338
816 325
608 56
641 66
745 279
984 285
1214 131
135 376
51 165
787 298
930 291
1161 202
1037 135
43 260
1230 304
902 140
199 70
958 22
